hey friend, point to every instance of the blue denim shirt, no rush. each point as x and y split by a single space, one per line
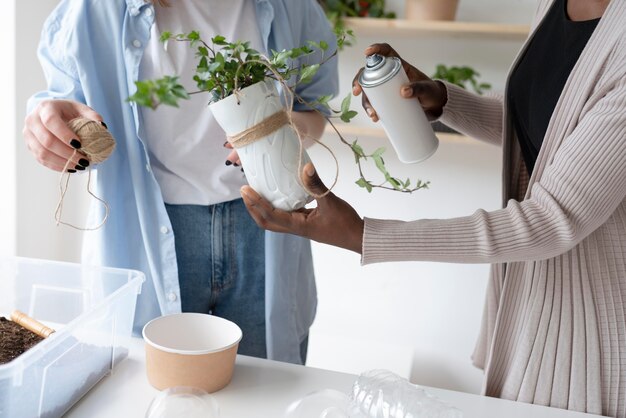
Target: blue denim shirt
90 51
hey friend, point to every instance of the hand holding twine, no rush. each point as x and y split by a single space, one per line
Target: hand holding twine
97 145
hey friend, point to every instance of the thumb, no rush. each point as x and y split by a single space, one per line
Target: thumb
311 180
87 112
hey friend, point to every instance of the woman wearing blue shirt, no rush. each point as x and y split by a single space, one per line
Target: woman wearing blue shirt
171 186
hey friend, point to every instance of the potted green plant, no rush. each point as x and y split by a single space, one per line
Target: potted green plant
462 76
337 10
243 96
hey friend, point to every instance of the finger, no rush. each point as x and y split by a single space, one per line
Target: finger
54 116
228 145
427 92
43 156
356 87
52 143
381 49
371 112
232 158
264 214
313 183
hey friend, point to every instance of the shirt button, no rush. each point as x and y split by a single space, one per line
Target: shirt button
164 230
172 297
137 43
148 11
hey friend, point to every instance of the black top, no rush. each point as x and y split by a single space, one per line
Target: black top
538 80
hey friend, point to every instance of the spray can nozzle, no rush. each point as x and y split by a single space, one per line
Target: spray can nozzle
374 60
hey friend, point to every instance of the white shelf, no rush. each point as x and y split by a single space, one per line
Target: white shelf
400 27
351 132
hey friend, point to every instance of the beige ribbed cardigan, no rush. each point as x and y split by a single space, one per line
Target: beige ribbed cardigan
554 326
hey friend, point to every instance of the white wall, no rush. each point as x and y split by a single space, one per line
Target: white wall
38 187
7 127
418 319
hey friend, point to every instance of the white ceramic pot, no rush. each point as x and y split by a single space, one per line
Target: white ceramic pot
431 9
271 163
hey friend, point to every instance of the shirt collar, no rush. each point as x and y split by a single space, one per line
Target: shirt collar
136 4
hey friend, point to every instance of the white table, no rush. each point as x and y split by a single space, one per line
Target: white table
264 389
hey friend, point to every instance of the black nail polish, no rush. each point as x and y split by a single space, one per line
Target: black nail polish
104 124
79 167
225 143
83 162
236 165
75 143
242 169
228 162
71 170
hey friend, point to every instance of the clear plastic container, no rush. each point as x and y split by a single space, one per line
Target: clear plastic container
375 394
183 401
383 394
92 310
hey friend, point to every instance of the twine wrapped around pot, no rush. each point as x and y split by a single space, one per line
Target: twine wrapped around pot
276 121
97 144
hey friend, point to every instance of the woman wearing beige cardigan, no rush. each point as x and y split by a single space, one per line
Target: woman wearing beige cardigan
554 329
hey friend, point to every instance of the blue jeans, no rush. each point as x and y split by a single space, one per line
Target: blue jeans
220 254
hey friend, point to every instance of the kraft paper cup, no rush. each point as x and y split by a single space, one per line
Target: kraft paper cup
191 349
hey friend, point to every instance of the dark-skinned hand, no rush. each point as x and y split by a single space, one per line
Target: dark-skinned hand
431 94
332 222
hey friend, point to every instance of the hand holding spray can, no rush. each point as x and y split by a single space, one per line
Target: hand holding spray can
404 121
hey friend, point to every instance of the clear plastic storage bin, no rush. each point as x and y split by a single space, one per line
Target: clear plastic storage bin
92 310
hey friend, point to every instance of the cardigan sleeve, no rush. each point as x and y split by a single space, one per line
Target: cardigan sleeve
477 116
577 193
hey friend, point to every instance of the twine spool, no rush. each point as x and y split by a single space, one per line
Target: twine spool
97 144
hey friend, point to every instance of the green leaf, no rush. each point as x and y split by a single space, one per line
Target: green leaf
308 72
345 103
365 184
380 164
281 57
324 99
165 36
378 152
347 116
395 183
202 52
323 45
219 40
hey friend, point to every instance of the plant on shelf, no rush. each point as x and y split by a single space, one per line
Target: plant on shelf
234 75
461 76
336 10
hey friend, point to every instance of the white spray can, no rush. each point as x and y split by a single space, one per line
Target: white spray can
404 121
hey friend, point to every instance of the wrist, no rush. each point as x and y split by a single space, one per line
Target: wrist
357 241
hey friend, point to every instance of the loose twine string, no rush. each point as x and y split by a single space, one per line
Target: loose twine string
97 144
276 121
